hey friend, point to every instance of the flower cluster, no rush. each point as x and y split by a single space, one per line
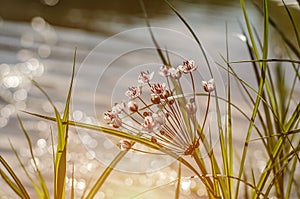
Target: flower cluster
161 112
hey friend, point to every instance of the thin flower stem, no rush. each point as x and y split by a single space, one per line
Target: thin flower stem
193 85
183 112
179 124
205 116
131 128
129 115
146 106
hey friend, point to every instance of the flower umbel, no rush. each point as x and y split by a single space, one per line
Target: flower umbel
209 86
166 116
145 77
187 67
133 92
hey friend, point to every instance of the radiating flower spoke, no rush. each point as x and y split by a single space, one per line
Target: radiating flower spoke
163 114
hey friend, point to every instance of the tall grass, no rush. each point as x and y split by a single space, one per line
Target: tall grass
272 124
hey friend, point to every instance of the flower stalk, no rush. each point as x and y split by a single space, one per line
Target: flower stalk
165 115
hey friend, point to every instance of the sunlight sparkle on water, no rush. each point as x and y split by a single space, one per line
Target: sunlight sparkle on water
3 122
11 81
42 143
44 50
50 2
8 110
241 37
27 40
38 23
20 95
185 185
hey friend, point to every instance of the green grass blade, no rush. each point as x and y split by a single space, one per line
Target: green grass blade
245 87
18 184
206 59
283 162
201 165
63 129
294 119
61 173
266 60
248 24
177 192
166 62
35 186
268 169
105 174
290 97
193 34
11 184
57 115
67 105
290 180
249 185
293 23
246 190
44 193
133 138
266 31
102 129
284 37
260 90
158 49
229 171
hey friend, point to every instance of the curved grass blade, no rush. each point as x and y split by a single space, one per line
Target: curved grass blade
44 193
278 134
193 34
261 82
229 151
17 186
35 186
133 138
293 23
266 60
62 128
286 160
268 168
105 174
158 49
284 37
176 85
11 184
291 179
216 167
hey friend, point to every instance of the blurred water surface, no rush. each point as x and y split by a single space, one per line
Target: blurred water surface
37 40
